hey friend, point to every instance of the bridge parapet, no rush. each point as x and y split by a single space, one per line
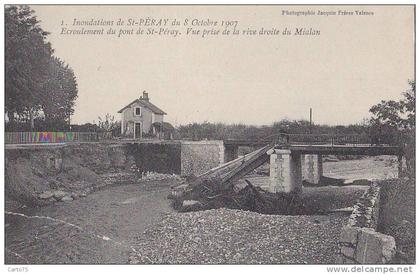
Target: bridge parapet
314 139
331 139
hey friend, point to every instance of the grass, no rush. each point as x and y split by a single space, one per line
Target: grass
397 216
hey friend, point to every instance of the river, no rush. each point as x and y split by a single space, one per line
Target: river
97 229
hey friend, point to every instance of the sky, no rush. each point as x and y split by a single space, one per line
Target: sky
354 63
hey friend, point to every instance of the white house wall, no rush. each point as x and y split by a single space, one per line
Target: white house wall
145 118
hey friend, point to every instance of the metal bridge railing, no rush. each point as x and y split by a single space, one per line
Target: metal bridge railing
311 139
327 139
335 139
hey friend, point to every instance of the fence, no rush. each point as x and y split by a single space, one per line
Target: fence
51 137
329 139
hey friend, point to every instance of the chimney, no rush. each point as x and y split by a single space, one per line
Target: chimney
145 96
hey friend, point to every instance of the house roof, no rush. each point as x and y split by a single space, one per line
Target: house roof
145 104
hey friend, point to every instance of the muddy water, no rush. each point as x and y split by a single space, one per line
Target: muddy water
98 229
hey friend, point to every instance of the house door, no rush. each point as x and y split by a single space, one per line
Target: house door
137 131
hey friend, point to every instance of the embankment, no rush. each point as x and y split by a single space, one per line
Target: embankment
43 174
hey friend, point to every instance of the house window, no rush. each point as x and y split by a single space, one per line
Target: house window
137 111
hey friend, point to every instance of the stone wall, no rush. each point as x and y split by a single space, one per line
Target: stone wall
366 210
359 242
178 157
200 156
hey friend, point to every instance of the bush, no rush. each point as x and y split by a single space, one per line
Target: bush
397 215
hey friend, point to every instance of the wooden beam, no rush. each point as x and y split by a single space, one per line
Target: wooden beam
247 166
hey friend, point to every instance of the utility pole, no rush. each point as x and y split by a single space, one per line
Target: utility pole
31 118
310 120
69 122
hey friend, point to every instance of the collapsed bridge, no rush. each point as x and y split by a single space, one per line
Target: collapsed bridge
286 157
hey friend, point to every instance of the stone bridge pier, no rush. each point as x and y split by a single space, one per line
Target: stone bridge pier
312 168
288 169
285 171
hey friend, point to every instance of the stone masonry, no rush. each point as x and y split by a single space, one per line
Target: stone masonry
360 243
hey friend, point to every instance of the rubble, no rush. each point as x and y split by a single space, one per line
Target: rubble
154 176
66 199
226 236
190 205
46 195
59 194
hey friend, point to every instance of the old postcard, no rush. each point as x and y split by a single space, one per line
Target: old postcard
210 134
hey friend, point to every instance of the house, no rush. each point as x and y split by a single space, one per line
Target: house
141 118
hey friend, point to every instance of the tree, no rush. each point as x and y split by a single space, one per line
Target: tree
27 56
399 118
409 105
109 125
38 86
397 114
60 92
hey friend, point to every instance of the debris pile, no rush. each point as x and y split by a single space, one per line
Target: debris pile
153 176
216 189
